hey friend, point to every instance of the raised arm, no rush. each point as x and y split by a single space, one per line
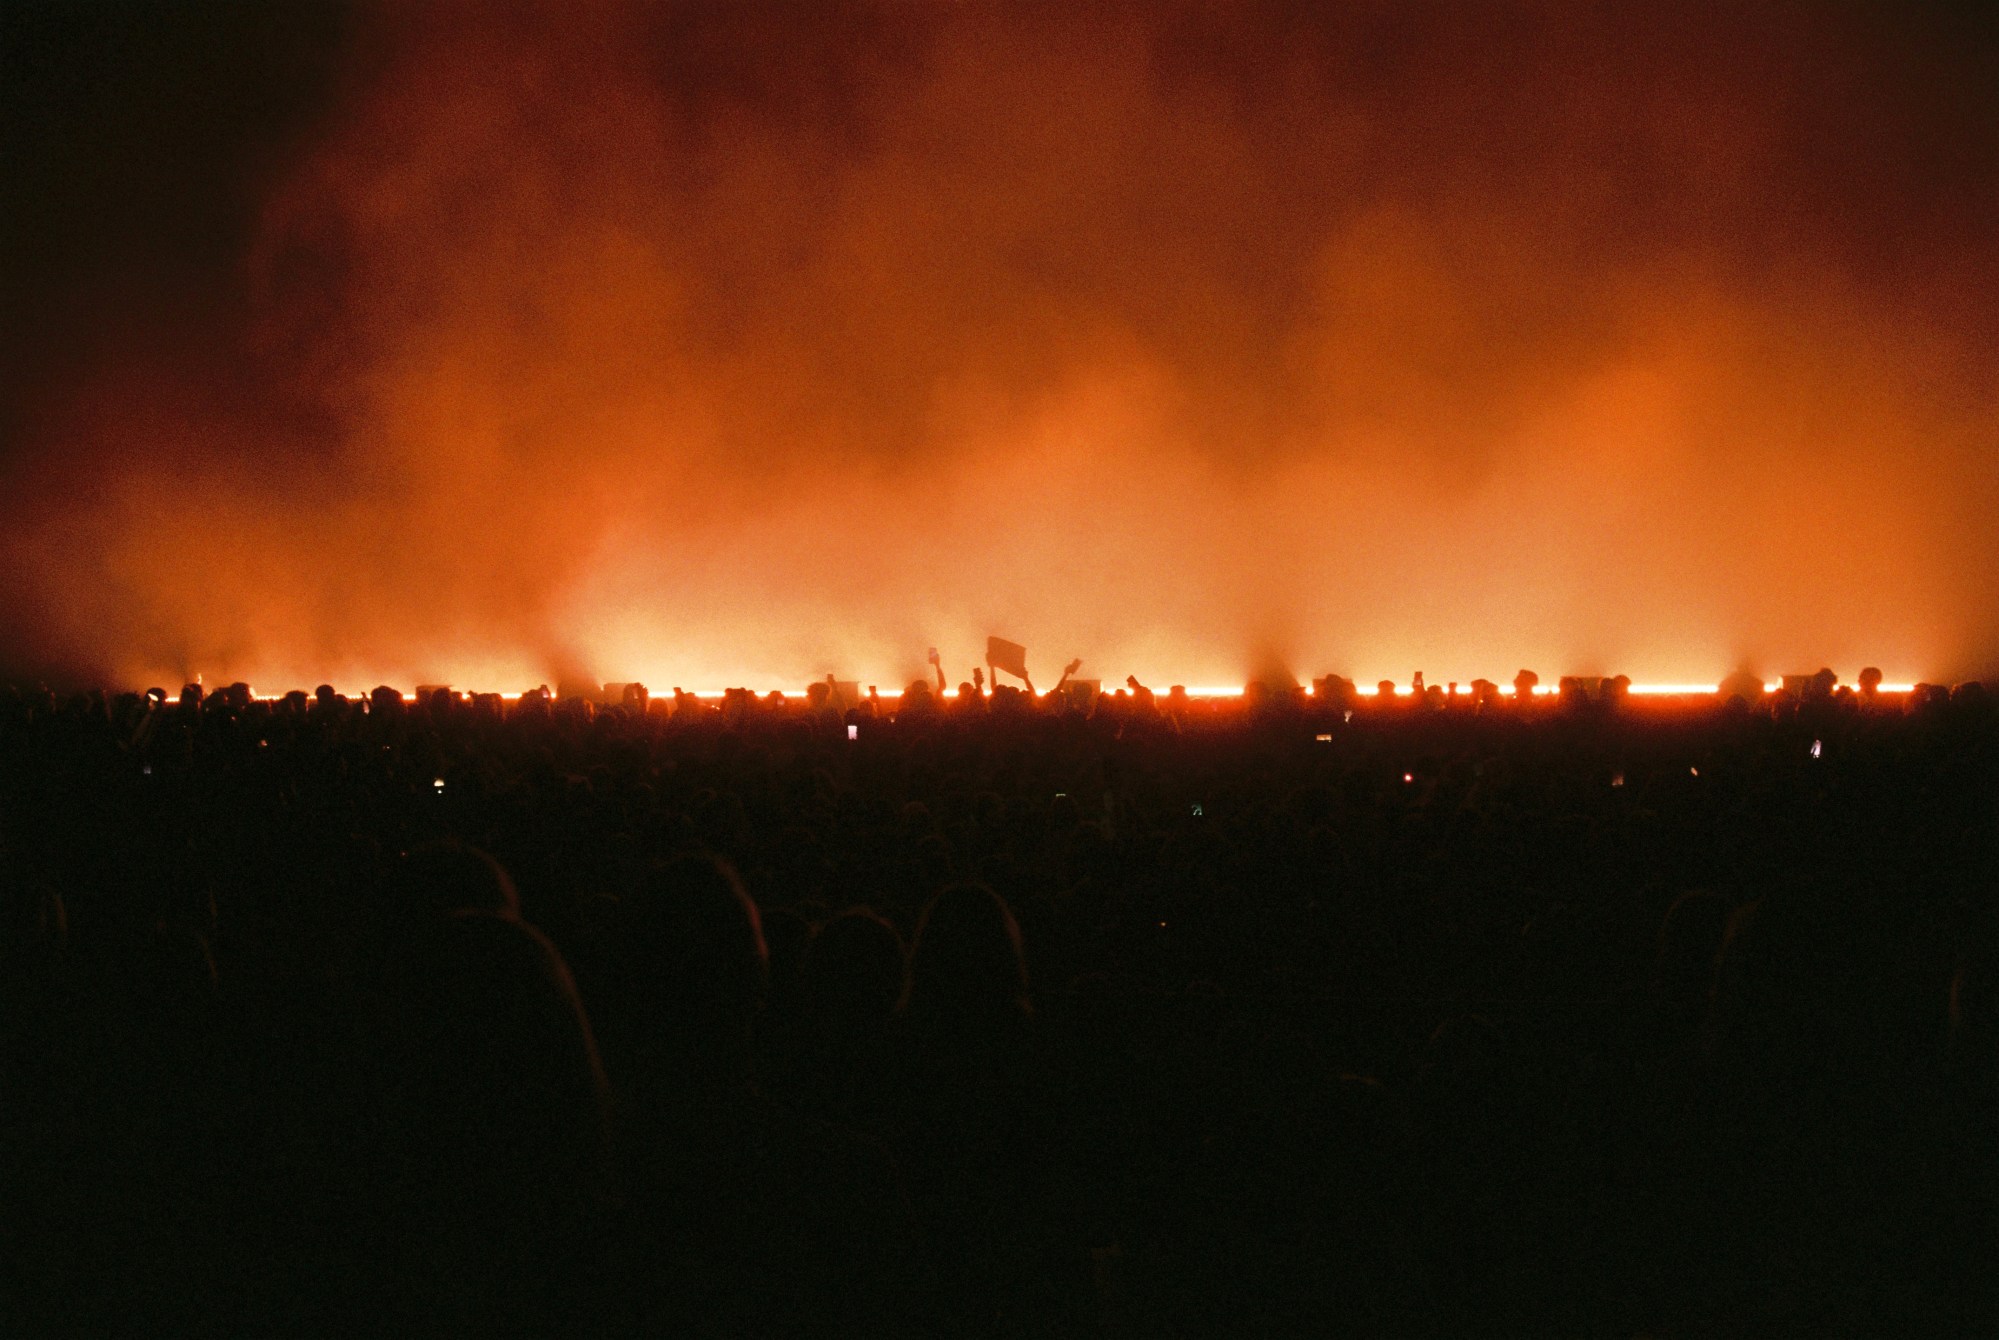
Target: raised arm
937 664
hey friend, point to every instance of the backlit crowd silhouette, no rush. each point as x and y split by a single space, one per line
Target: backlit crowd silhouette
997 1013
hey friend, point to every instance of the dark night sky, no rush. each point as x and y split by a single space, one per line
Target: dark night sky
749 341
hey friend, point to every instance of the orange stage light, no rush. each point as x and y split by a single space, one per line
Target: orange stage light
1661 690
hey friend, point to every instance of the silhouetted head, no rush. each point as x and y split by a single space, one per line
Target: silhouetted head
1926 699
935 860
488 1018
490 1110
856 970
692 965
34 926
1689 938
449 876
1775 976
787 936
1971 1006
1743 684
967 963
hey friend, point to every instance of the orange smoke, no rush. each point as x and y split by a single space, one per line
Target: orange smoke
728 345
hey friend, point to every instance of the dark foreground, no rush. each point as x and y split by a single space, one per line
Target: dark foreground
1626 1022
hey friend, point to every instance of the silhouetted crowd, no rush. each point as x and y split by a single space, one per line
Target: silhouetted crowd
999 1014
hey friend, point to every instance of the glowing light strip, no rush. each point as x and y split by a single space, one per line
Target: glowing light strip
1191 690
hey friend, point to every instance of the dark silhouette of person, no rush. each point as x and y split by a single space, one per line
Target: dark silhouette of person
740 1217
484 1155
1742 684
446 876
976 1130
855 977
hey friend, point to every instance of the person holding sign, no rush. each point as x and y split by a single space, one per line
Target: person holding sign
1010 657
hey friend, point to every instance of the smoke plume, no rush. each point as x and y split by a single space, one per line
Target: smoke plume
726 344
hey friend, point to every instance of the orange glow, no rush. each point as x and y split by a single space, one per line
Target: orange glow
822 350
1193 691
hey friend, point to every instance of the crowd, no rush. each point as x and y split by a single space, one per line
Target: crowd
999 1014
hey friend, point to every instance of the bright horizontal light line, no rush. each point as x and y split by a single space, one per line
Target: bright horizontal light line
1191 690
759 693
